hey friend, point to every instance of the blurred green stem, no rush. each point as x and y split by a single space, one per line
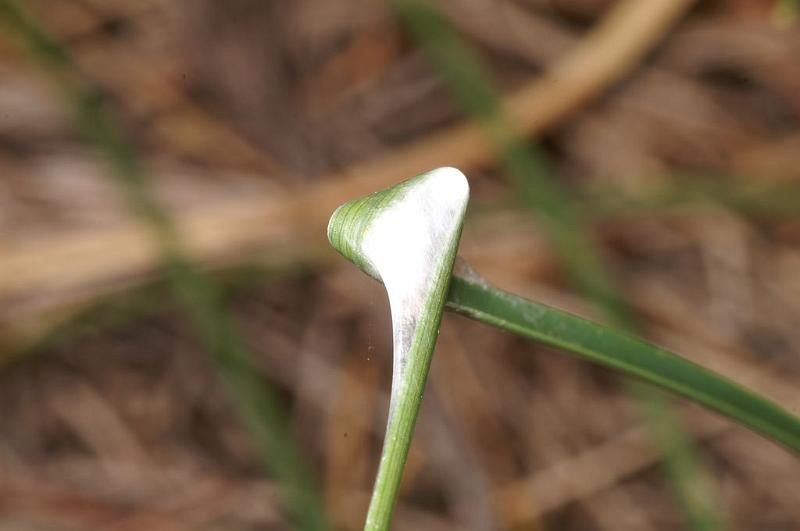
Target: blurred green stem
560 217
257 403
784 12
693 193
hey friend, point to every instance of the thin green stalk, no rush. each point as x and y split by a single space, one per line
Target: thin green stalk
257 403
695 192
785 12
406 237
559 215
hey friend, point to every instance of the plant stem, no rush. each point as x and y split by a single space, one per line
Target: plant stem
406 237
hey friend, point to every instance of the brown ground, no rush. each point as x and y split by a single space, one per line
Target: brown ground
257 117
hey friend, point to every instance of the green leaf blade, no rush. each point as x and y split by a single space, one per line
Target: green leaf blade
623 353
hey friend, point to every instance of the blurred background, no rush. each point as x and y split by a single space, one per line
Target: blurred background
254 119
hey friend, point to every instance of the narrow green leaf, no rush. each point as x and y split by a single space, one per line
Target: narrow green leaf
623 353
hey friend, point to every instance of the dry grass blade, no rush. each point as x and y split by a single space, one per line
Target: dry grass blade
227 231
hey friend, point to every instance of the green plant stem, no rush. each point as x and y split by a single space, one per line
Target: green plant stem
785 12
257 403
403 416
560 217
694 193
400 428
407 237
